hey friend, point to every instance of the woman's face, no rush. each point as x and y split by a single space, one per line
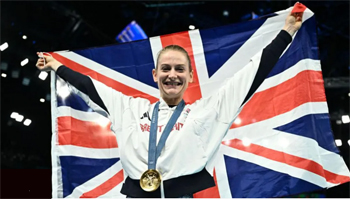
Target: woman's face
172 75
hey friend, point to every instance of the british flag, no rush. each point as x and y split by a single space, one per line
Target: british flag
280 144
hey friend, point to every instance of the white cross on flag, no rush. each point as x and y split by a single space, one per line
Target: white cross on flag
281 143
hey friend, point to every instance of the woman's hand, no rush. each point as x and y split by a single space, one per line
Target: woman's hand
47 63
293 22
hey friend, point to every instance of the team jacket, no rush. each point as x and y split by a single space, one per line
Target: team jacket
196 135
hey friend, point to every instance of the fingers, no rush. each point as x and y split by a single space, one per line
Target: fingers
40 63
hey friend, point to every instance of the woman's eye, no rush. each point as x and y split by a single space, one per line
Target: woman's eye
180 69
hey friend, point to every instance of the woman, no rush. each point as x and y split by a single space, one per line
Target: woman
178 167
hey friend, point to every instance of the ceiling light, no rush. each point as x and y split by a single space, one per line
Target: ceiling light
225 13
19 118
338 142
24 37
48 97
25 81
43 75
42 100
27 122
191 27
345 119
349 142
13 115
3 75
4 46
24 62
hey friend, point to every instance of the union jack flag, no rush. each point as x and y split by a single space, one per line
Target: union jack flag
280 144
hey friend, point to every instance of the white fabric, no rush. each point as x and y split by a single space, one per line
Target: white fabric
197 133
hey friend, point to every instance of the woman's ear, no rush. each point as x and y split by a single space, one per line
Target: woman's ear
154 74
191 77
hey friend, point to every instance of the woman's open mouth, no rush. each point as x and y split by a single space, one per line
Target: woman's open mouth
172 83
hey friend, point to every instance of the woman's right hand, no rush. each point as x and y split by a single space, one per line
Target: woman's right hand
51 63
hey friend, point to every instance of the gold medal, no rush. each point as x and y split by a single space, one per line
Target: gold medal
150 180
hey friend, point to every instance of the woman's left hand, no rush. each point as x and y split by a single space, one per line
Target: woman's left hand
293 22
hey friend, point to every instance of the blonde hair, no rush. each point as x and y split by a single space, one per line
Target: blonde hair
176 48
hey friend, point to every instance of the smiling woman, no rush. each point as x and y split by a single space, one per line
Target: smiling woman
177 168
173 73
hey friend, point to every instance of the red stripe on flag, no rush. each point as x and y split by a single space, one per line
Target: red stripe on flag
106 186
126 90
182 39
289 159
298 7
212 192
72 131
307 86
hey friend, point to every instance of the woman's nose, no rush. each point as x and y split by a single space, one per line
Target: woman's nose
172 73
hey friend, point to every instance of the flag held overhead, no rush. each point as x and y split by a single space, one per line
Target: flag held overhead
276 146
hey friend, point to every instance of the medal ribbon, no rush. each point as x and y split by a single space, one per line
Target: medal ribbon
153 150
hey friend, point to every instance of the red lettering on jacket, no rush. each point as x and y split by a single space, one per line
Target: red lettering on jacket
146 127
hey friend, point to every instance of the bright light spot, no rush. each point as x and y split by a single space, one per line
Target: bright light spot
246 142
338 122
349 142
349 94
43 75
191 27
4 46
102 121
62 89
237 121
13 115
42 100
24 37
338 142
24 62
19 118
48 97
27 122
3 75
345 119
26 81
225 13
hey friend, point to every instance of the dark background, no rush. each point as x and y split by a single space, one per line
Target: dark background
71 25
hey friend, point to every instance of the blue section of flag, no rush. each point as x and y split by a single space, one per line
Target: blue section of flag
245 179
248 180
74 101
314 126
228 39
132 59
78 170
299 49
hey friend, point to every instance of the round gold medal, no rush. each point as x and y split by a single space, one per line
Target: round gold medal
150 180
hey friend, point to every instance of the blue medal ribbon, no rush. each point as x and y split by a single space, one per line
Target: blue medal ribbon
154 149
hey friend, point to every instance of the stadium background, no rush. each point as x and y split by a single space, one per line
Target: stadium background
31 26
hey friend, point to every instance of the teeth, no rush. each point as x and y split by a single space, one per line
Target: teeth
172 83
